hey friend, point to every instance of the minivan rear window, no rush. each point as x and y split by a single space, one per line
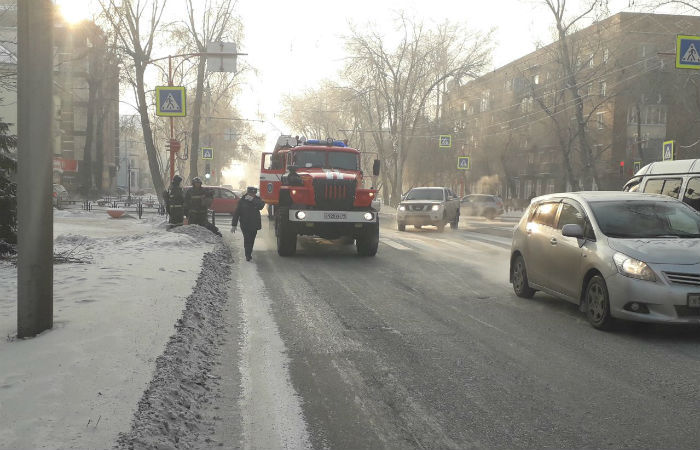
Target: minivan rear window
692 193
665 186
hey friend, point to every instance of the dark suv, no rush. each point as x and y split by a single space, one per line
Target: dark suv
488 206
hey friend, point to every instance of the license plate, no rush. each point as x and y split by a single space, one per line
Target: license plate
694 300
335 216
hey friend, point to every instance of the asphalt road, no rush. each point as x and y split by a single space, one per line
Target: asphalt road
426 346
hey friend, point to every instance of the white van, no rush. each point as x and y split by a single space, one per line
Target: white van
679 179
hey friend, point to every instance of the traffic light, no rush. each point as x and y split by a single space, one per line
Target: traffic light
622 168
207 171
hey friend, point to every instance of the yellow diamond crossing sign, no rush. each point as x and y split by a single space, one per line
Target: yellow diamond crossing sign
687 52
171 101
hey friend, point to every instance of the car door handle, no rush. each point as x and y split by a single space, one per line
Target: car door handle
553 241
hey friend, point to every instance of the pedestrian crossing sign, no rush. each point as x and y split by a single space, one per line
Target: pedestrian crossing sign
668 153
207 153
170 101
463 163
445 141
688 52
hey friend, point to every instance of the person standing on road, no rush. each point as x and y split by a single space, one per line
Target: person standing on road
197 201
175 202
248 212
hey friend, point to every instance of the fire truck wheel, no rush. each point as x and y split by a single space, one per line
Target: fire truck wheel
286 236
368 241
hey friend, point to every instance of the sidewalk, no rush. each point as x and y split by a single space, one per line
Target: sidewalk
79 384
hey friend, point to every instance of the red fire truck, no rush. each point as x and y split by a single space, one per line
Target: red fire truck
315 188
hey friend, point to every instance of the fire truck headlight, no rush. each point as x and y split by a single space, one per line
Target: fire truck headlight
301 215
371 195
294 192
369 216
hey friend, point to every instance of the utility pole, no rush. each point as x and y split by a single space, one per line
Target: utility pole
34 186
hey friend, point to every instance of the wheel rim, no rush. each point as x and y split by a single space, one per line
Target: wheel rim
596 302
518 275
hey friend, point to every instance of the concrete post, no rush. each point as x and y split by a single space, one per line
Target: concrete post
35 162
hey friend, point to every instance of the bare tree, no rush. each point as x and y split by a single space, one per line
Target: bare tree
566 24
213 22
401 81
134 23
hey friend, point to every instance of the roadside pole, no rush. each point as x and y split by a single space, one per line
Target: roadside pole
34 186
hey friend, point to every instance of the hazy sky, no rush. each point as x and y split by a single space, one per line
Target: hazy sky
296 44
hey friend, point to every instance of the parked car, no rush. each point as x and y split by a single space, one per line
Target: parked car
679 179
60 195
224 201
488 206
618 255
428 206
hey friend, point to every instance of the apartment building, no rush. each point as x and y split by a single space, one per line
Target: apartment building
85 101
620 90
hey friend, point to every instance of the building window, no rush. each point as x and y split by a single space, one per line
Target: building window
600 120
485 97
536 79
606 56
464 106
643 51
603 88
591 61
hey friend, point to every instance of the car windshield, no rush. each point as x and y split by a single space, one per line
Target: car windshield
646 219
425 194
342 160
309 158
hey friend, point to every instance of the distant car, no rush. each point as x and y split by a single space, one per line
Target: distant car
421 206
619 255
488 206
60 195
224 201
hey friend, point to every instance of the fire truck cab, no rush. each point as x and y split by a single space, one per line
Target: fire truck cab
316 188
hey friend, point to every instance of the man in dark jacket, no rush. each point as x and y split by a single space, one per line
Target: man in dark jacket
197 201
175 202
248 212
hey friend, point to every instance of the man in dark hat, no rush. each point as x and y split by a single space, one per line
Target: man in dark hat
197 201
175 202
248 212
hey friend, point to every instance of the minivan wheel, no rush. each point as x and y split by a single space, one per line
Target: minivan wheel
520 283
598 304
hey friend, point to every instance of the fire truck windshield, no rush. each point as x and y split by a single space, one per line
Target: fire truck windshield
310 159
342 160
327 160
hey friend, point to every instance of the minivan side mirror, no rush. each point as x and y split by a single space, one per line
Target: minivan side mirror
375 167
572 230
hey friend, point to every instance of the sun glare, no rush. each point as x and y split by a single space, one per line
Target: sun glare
73 11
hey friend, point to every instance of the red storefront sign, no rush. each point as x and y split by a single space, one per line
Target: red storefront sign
65 165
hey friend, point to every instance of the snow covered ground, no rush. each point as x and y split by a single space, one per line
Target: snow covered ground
78 385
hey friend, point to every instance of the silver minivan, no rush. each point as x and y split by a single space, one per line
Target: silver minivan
618 255
678 179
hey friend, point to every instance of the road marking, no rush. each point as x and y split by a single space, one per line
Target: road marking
485 323
271 408
394 244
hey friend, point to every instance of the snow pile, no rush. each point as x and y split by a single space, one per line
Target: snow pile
168 414
77 385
